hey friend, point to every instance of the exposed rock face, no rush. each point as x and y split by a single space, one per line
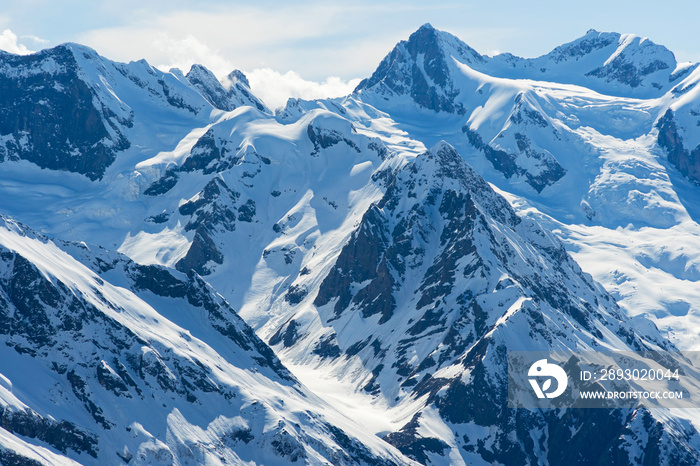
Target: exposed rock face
686 161
506 163
631 61
62 435
208 155
419 68
365 259
237 84
323 138
234 92
210 87
216 209
39 315
53 118
201 256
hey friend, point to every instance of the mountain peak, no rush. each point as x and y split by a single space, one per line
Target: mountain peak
230 93
615 61
431 41
424 38
422 68
442 146
425 33
201 75
79 48
197 69
210 87
597 40
234 77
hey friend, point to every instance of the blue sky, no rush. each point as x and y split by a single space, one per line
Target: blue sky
304 43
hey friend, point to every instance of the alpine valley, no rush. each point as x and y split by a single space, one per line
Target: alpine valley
190 277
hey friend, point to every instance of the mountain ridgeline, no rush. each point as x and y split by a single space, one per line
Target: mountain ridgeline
188 277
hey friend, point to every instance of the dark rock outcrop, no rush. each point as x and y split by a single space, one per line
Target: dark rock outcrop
53 118
686 161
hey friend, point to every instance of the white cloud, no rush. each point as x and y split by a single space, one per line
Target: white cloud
183 53
169 47
37 40
275 88
245 34
318 40
9 43
163 49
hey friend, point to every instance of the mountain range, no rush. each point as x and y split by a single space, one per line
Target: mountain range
191 277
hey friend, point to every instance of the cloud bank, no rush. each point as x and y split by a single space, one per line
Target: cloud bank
9 43
274 88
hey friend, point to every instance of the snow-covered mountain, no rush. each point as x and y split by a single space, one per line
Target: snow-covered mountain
623 65
437 282
390 246
101 96
111 362
117 362
611 168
